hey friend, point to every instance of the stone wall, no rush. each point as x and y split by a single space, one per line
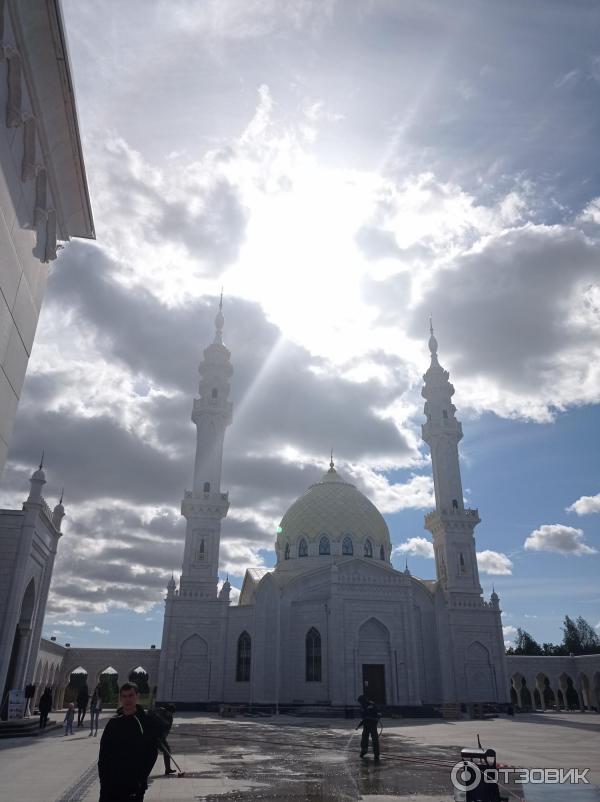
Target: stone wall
555 683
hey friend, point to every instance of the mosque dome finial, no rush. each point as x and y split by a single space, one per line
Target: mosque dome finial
58 513
331 462
37 481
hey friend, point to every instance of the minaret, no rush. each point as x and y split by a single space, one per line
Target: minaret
450 524
205 505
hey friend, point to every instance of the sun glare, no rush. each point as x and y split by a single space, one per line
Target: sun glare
301 261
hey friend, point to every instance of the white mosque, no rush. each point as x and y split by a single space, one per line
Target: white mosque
333 618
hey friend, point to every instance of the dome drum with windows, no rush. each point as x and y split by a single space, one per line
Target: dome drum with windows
331 521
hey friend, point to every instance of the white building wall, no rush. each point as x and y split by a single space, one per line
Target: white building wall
239 619
28 543
31 220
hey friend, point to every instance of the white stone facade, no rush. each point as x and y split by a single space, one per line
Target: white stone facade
43 190
28 544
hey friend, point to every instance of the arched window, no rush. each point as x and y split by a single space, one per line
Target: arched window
215 393
287 551
368 549
381 553
347 547
313 655
244 651
207 487
324 547
454 504
302 548
463 567
445 414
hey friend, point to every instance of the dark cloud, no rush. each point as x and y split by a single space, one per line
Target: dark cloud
503 312
205 213
215 233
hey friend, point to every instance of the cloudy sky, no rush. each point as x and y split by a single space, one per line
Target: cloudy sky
343 170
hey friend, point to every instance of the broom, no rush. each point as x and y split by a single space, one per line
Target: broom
163 748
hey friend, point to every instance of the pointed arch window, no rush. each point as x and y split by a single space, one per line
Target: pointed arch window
215 393
200 555
207 487
302 548
313 655
244 653
287 551
347 547
463 567
324 547
381 553
368 548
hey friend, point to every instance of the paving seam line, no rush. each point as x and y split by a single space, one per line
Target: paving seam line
79 789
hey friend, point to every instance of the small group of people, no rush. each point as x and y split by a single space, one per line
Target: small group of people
82 702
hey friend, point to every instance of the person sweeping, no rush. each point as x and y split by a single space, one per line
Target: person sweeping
370 720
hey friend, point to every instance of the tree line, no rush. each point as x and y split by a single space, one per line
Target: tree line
579 637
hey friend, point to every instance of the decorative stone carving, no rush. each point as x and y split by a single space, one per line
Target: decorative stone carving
28 167
14 117
50 252
41 196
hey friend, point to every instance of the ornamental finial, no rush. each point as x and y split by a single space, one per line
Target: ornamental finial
219 321
331 462
62 492
433 343
42 461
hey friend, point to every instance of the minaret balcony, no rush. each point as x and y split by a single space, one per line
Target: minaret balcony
468 515
208 406
210 504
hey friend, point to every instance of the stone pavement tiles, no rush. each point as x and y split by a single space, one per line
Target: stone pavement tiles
297 760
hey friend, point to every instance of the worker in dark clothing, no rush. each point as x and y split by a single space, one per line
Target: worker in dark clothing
163 716
128 750
370 719
82 703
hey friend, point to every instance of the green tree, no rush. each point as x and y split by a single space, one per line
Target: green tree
579 637
526 644
141 680
109 688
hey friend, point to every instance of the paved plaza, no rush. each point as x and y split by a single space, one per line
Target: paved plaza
310 760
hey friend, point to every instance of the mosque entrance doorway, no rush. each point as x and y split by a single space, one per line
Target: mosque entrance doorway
374 682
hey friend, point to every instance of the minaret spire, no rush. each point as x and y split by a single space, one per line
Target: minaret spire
450 523
205 505
219 322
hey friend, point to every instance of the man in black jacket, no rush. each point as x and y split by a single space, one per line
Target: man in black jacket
128 750
370 719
